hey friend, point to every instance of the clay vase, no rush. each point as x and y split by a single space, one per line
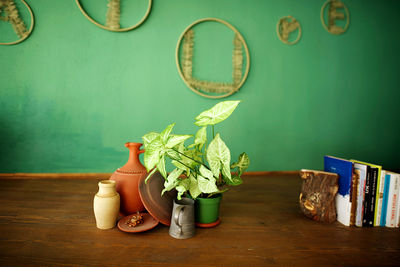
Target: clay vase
127 179
106 205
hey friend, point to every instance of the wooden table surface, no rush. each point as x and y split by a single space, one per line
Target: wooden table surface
50 222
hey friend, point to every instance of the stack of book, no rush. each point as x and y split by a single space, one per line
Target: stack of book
368 195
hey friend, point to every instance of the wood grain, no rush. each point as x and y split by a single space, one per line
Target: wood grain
50 222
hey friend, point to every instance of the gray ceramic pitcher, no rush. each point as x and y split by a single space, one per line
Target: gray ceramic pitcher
182 220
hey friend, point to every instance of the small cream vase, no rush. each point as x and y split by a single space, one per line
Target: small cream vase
106 205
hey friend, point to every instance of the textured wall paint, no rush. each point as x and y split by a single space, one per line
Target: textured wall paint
72 94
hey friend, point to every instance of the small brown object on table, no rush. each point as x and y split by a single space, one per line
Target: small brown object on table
50 222
317 197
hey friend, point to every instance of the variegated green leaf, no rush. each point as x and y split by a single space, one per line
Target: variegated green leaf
236 180
216 114
181 166
194 187
149 175
172 180
201 137
242 164
206 172
207 185
173 154
218 155
151 156
182 187
148 138
176 139
167 131
161 167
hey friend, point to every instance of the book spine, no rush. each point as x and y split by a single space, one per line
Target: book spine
374 180
397 223
367 198
379 199
385 199
360 197
355 179
393 196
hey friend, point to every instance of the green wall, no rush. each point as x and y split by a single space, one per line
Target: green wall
72 94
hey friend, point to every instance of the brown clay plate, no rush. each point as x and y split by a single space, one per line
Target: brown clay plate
160 207
149 223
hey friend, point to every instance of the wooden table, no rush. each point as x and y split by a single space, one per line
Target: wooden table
50 222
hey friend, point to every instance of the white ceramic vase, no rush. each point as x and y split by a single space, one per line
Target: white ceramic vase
106 205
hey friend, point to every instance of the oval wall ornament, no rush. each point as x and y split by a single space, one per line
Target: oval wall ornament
9 13
337 11
212 89
285 27
113 16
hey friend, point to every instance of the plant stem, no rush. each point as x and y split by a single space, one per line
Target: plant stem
213 131
194 161
190 158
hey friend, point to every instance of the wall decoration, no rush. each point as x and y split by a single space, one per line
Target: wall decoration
113 16
212 89
10 13
337 11
285 27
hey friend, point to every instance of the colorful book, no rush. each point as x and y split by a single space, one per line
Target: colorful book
385 199
379 197
372 207
367 199
393 200
361 169
376 189
344 169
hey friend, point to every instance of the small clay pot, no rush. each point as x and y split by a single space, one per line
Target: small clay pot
106 205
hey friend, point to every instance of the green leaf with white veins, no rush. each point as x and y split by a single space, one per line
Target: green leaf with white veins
194 187
207 185
152 154
242 164
218 155
216 114
182 187
148 138
161 167
172 180
176 139
206 172
201 137
167 131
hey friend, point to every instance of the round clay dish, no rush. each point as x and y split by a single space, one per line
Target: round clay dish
149 223
160 207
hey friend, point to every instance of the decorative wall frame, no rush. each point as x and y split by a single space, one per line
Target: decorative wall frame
285 26
113 16
333 15
205 88
9 8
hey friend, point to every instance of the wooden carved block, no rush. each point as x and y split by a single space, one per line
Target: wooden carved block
317 197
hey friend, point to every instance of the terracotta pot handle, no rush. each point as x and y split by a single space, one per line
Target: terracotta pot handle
141 151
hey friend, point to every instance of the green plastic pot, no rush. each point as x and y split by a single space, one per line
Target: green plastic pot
207 209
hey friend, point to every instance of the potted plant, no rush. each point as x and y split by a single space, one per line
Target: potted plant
202 170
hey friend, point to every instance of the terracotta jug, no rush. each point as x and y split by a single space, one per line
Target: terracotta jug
127 178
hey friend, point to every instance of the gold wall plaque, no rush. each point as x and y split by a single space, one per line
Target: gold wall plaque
208 88
113 16
337 11
285 27
9 13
